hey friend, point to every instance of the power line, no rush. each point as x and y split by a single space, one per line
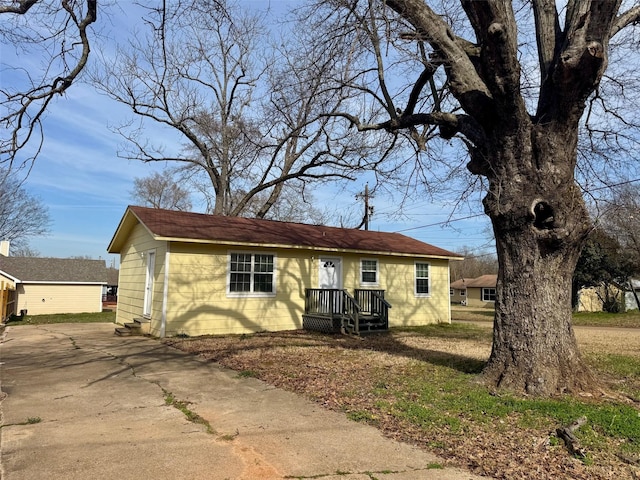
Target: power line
441 223
626 182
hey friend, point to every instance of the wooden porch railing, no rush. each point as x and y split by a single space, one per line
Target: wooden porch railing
366 308
335 304
374 306
351 315
327 301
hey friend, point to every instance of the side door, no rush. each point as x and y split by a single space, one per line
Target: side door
148 285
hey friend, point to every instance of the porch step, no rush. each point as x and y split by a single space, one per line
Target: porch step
139 326
372 323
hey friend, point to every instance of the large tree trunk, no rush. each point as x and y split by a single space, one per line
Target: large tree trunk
540 223
534 348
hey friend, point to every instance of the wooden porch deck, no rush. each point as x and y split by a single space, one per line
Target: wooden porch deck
337 311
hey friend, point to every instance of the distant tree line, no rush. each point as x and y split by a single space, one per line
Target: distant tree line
22 215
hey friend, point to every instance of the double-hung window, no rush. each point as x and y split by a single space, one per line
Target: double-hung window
422 279
369 272
251 274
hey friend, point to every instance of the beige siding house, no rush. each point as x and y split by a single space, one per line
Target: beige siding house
197 274
54 285
475 292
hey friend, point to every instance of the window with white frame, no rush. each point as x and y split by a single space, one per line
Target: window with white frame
488 294
369 271
463 292
251 274
422 279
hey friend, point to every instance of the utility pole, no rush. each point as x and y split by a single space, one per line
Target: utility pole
368 210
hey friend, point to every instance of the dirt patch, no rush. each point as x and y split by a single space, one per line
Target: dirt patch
352 374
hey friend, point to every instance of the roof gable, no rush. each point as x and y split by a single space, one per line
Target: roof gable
54 270
197 227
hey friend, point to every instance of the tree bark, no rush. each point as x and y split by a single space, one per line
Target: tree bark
540 223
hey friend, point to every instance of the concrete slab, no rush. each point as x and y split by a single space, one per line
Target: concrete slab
80 402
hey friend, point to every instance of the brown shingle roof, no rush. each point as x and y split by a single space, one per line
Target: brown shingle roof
186 226
461 283
54 270
484 281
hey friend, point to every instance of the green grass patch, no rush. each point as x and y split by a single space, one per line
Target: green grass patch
472 314
434 398
98 317
623 371
618 365
630 319
435 395
461 331
183 406
362 416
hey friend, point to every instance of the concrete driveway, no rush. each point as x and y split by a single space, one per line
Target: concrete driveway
81 403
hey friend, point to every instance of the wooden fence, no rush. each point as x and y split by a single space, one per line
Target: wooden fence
7 301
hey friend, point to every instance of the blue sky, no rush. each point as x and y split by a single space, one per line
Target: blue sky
86 186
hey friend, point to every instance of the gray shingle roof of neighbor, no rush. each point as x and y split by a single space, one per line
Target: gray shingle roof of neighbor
54 270
187 226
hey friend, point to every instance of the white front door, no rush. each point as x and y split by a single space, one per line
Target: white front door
330 277
330 272
148 287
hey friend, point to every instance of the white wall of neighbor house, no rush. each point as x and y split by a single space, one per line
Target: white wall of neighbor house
40 299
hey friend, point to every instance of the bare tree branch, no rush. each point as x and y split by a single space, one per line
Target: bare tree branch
631 16
21 8
23 108
548 34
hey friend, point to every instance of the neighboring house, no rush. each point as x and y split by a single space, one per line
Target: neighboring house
54 285
110 290
591 299
632 296
197 274
474 292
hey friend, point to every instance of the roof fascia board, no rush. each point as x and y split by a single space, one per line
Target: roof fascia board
301 247
10 277
126 220
118 231
47 282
